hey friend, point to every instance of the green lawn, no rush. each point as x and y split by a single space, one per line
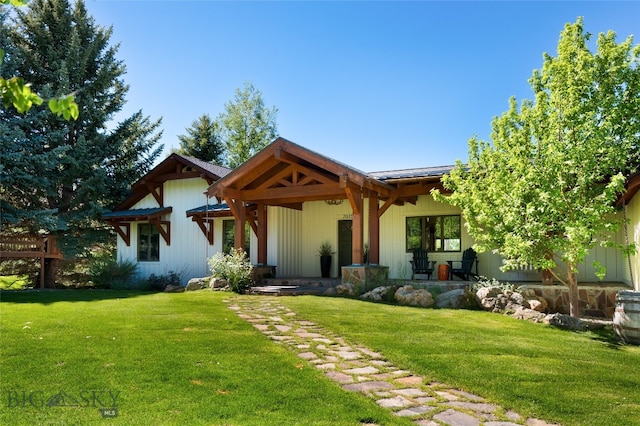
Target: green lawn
167 359
566 377
187 359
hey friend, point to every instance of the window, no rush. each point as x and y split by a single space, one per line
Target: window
434 233
148 243
228 235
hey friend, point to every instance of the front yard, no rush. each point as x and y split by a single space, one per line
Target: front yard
67 357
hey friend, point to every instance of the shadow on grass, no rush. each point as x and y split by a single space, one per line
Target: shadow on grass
608 337
50 296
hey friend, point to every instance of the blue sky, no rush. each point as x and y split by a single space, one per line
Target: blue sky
376 85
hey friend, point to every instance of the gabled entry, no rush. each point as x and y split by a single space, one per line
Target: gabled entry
287 175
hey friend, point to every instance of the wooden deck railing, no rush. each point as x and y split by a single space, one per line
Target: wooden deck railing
29 247
25 247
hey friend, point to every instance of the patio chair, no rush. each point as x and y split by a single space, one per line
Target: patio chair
421 264
463 268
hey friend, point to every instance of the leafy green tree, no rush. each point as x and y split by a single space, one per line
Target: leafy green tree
544 192
15 92
203 141
247 125
58 175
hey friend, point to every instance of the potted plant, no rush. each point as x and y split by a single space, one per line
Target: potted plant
325 259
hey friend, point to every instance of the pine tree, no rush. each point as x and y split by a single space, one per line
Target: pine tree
59 176
203 141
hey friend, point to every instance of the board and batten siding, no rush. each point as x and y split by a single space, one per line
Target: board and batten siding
633 232
284 241
189 250
298 236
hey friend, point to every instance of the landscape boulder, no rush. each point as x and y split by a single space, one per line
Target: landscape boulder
450 299
196 284
378 294
218 283
346 289
171 288
407 295
566 322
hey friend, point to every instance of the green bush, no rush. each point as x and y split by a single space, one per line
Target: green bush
159 282
233 267
107 272
486 282
468 300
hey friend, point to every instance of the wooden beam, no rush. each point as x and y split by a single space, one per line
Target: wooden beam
124 230
293 194
388 203
157 190
206 226
262 234
374 229
357 233
164 229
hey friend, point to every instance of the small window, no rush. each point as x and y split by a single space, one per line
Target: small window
148 243
228 235
434 233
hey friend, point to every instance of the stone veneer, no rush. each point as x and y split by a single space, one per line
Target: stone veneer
365 277
596 300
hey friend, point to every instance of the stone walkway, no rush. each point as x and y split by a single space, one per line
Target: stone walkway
358 369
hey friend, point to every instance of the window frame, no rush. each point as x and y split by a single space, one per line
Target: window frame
228 235
429 240
151 237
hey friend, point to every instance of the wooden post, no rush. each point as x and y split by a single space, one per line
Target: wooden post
240 234
374 230
357 252
262 234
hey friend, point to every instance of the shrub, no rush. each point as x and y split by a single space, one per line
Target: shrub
486 282
107 272
233 267
468 299
159 282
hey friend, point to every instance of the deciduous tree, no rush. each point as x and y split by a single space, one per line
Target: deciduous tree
543 193
15 93
247 125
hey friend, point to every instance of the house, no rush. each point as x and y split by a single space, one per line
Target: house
151 224
284 202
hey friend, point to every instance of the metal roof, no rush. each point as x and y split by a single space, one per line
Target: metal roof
137 213
422 172
211 208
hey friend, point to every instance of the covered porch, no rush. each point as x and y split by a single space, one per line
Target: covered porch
284 176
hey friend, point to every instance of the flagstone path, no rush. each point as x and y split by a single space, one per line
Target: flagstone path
359 369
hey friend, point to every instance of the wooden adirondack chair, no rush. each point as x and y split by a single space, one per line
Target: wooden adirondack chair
462 268
421 264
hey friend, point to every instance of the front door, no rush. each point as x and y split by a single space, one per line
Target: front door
345 235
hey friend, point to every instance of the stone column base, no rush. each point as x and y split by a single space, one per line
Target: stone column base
365 277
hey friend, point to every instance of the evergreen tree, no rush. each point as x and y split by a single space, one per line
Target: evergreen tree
247 125
59 176
203 141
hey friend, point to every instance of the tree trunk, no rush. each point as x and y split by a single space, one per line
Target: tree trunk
574 295
50 272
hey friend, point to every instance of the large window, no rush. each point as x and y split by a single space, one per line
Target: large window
434 233
228 235
148 243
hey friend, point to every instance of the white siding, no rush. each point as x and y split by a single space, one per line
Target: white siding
284 235
294 239
187 255
633 229
320 223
